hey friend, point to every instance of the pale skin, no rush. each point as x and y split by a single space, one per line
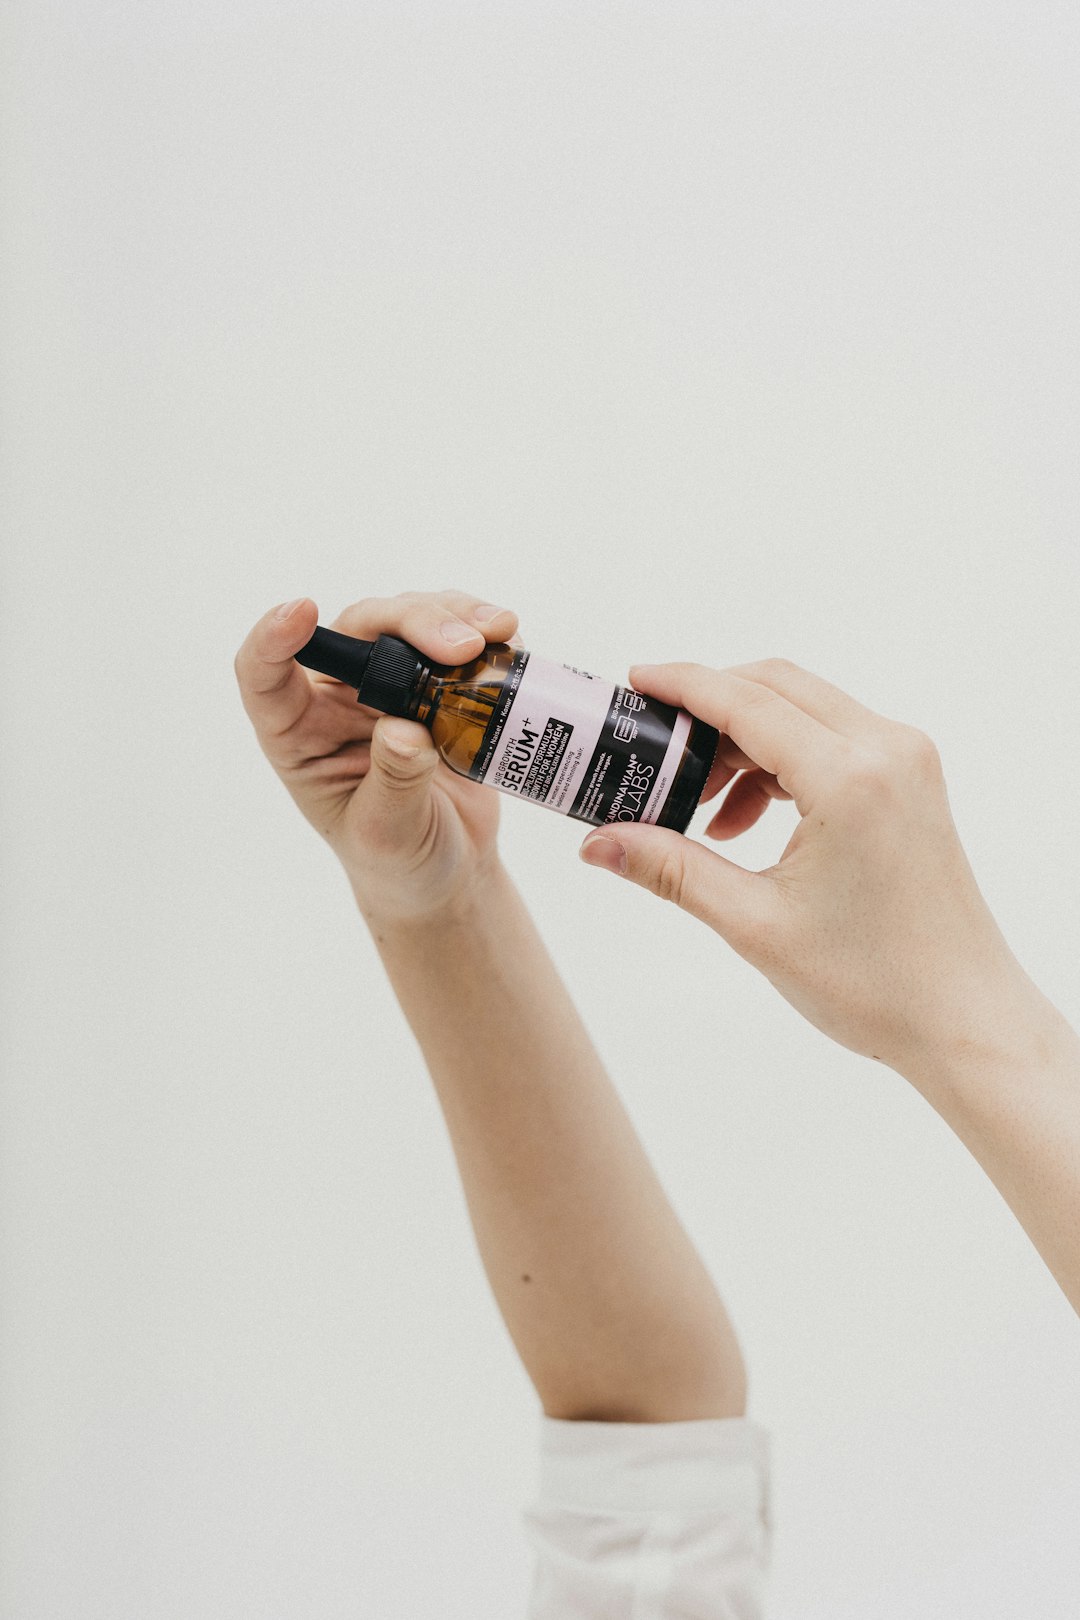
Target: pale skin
871 924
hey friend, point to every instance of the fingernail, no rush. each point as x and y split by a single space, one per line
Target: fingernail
399 744
287 607
488 611
599 849
455 632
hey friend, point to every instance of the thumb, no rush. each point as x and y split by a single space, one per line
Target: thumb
735 902
403 761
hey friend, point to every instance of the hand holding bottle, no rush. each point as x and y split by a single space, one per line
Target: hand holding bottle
871 923
413 836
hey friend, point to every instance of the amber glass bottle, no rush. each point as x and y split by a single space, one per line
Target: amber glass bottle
535 728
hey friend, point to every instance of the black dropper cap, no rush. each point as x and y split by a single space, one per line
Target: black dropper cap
343 657
383 671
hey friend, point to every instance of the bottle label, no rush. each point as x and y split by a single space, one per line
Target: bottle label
579 744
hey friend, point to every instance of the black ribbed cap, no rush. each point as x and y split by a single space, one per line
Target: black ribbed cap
383 671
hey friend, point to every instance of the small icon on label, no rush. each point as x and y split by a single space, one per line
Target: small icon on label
625 728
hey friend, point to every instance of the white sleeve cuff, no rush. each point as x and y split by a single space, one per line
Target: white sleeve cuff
699 1465
657 1519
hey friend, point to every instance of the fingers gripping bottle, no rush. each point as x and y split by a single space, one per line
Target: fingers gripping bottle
535 728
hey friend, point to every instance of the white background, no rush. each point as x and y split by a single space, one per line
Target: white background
688 331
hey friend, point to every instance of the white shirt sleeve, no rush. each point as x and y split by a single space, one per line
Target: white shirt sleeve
650 1521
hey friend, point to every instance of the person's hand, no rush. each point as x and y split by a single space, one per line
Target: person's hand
413 835
871 923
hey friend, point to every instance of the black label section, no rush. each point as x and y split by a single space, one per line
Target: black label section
626 760
493 730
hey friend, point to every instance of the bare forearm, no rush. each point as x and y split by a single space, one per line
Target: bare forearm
1012 1095
609 1305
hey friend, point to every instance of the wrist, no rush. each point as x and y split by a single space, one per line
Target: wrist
388 916
1017 1036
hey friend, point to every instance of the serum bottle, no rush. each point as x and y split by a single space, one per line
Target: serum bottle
535 728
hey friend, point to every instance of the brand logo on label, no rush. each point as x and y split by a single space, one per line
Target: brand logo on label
633 790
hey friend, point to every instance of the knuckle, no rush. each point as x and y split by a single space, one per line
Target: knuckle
775 666
417 615
695 680
462 604
671 878
394 769
685 671
407 607
452 598
427 617
763 669
869 775
394 775
919 748
751 696
359 615
399 771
